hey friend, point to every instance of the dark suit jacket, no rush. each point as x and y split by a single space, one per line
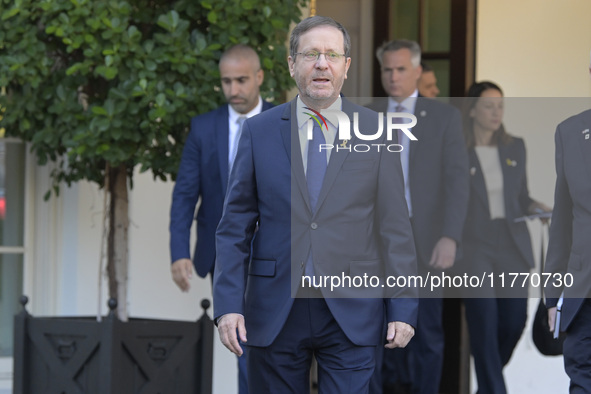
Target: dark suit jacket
569 248
203 172
517 199
438 174
360 226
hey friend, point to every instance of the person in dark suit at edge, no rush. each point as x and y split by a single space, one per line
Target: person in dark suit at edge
436 185
493 242
207 157
569 248
316 209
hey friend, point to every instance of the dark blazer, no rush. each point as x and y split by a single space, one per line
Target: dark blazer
360 226
569 248
203 172
517 199
438 174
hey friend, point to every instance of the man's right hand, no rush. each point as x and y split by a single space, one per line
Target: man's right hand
182 272
228 324
399 334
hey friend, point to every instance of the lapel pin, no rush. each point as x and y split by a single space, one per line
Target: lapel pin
344 143
586 133
472 171
423 113
511 163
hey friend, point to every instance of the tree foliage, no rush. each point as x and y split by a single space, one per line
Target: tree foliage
102 86
96 82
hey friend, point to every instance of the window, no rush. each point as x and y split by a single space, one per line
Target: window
443 28
12 208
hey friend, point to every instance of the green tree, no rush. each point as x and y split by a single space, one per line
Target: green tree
100 87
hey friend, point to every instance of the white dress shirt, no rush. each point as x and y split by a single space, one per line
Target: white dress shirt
490 163
234 128
409 104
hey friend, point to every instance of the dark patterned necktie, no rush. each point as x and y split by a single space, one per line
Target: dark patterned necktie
316 167
315 171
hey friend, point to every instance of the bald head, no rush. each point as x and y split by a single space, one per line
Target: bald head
241 52
241 75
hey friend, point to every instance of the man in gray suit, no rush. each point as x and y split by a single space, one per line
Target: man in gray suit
569 249
436 176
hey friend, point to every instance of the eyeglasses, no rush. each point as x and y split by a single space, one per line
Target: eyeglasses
312 56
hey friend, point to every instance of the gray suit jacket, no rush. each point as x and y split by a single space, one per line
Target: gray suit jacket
569 249
438 174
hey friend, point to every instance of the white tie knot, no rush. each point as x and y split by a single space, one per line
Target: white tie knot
240 120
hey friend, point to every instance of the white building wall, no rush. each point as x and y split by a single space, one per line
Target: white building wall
535 48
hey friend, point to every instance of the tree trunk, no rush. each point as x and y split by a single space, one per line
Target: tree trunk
117 247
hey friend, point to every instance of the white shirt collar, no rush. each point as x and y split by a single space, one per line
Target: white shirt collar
408 103
233 115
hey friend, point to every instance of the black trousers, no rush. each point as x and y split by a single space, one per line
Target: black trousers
496 315
577 351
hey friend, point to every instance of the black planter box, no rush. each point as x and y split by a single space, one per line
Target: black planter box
81 355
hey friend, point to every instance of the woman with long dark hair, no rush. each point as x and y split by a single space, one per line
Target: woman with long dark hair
493 242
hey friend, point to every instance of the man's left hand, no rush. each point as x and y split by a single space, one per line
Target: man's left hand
444 254
399 334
